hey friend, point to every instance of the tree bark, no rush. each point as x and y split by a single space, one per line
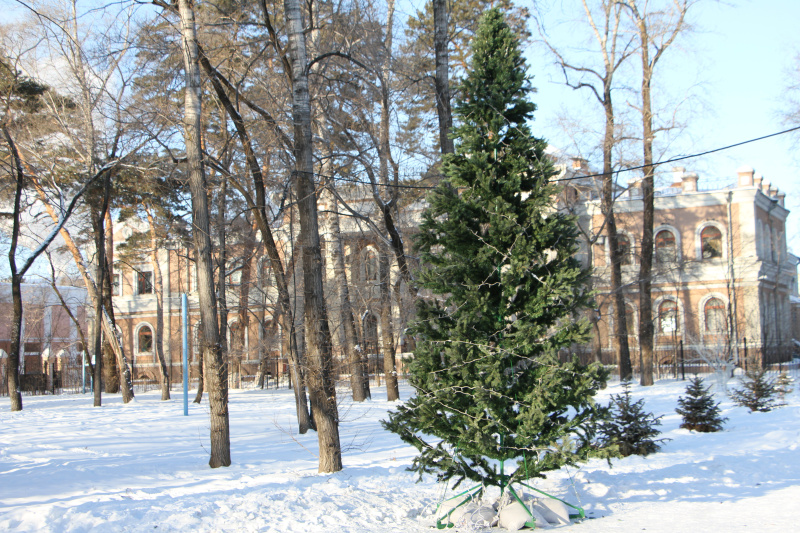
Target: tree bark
222 274
646 259
199 396
442 77
285 312
607 208
12 363
665 36
359 381
107 323
158 288
110 367
318 337
98 225
216 371
387 330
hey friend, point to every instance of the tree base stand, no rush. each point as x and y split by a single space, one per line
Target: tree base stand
506 484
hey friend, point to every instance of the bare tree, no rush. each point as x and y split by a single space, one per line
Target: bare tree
318 337
216 371
656 31
613 50
440 42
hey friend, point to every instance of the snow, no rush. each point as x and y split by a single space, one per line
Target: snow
68 466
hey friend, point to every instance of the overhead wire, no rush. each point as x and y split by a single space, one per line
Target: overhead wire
584 176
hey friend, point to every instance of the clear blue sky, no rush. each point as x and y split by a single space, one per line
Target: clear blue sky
738 61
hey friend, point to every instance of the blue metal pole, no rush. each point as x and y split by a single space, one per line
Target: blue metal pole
83 372
185 332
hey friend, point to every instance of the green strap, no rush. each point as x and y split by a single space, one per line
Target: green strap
580 514
467 497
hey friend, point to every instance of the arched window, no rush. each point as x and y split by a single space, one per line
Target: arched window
370 265
716 318
667 317
624 247
666 248
711 242
144 340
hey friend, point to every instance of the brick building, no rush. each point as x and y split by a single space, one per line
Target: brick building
724 284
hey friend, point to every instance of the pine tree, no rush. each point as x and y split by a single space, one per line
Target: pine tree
698 409
758 392
629 427
507 293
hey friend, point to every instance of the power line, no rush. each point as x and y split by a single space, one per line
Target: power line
600 175
682 158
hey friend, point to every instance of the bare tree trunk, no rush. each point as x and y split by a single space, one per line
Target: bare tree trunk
318 337
387 330
222 274
158 288
110 367
646 260
612 58
12 363
98 225
359 382
199 396
216 371
107 324
607 208
663 37
442 78
286 313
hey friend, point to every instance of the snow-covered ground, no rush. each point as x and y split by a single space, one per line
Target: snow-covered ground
67 466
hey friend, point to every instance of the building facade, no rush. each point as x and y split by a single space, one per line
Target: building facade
724 285
52 322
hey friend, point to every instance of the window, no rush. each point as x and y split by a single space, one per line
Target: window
666 249
370 266
624 248
667 317
711 242
145 340
716 320
116 285
144 283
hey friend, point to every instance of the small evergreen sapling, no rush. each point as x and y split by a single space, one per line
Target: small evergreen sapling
783 385
698 409
629 427
759 393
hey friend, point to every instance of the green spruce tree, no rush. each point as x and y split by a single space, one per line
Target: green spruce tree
506 295
629 430
698 409
758 393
